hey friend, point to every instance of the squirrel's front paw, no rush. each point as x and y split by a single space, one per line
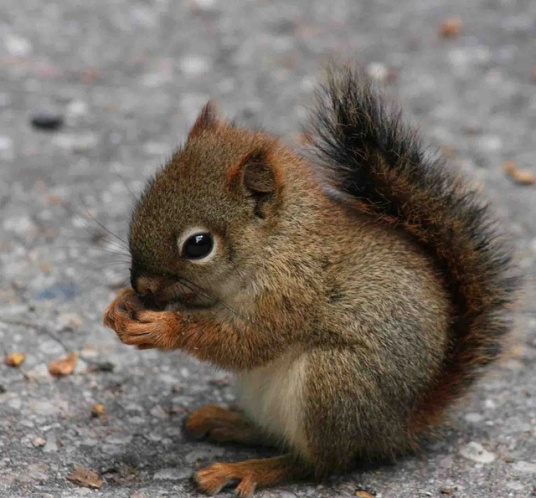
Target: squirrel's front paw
138 326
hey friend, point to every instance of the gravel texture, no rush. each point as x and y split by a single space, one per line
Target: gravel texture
123 81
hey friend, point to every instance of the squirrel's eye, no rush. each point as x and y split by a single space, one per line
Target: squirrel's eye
198 246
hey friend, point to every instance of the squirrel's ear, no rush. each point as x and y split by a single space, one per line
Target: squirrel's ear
259 179
208 120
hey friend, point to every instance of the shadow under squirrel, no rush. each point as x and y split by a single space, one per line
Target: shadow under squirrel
355 296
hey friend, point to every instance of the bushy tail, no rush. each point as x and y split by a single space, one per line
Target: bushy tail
366 153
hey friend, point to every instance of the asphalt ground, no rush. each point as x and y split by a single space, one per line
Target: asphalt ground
121 81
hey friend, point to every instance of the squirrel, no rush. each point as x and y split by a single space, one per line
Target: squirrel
356 291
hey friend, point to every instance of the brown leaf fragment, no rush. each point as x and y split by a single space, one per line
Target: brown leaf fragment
446 491
98 410
85 477
65 366
521 176
221 382
451 27
363 494
122 474
180 410
15 359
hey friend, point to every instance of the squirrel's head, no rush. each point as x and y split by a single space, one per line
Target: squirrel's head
206 213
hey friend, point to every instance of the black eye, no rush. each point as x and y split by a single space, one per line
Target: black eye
198 246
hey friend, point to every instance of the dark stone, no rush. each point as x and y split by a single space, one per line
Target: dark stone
47 120
58 292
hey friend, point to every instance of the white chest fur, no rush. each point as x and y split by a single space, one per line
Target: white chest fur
273 397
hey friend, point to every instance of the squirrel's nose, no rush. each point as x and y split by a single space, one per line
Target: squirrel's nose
147 289
145 286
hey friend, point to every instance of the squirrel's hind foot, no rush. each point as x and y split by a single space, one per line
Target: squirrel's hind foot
250 474
222 425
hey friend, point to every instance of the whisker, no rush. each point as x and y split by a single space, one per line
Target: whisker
190 284
105 265
90 230
125 183
94 248
107 230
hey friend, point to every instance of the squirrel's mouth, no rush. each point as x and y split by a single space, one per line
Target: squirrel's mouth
183 302
189 301
169 294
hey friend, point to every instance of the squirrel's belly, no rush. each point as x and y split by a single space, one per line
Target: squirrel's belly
273 396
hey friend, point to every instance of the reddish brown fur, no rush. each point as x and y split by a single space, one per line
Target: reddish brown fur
251 474
206 121
353 305
222 425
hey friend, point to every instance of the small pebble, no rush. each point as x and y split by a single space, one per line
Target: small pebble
474 418
6 143
159 412
203 454
58 292
525 467
194 65
477 453
69 321
17 45
77 108
82 142
51 445
38 442
516 486
39 374
204 4
172 474
47 120
379 72
104 366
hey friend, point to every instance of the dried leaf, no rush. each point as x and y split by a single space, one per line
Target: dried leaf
363 494
123 474
15 359
85 477
98 410
105 366
521 176
451 27
446 491
65 366
221 382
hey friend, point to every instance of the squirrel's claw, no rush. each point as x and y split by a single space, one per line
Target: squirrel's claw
215 477
136 326
249 474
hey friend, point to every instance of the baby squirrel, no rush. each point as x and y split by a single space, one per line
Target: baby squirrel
354 295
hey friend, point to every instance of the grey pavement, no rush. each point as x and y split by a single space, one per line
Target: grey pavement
128 78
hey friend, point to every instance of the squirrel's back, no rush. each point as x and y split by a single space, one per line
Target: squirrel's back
376 164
